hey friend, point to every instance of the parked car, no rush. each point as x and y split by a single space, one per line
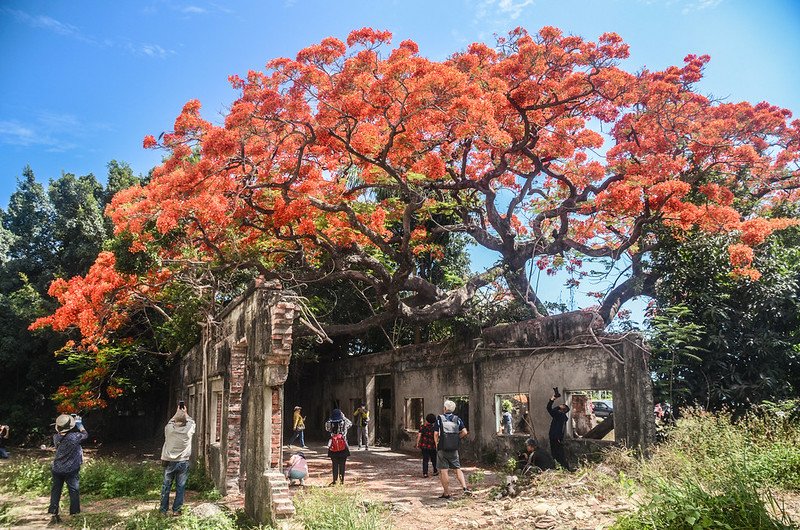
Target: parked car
602 409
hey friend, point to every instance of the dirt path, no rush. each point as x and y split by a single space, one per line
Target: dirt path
395 479
385 475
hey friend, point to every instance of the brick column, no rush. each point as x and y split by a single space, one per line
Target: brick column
234 445
283 314
276 441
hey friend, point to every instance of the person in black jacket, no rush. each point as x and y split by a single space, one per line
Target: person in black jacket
557 425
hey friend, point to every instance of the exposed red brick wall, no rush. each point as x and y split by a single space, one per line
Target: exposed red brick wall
276 441
236 372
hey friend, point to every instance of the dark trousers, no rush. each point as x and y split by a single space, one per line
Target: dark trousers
339 462
557 448
428 454
74 492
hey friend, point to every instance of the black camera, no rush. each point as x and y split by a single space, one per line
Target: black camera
556 393
181 404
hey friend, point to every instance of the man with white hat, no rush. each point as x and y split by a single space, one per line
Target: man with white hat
175 455
69 436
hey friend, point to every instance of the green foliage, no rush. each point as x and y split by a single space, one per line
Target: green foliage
689 505
104 477
26 475
155 521
712 472
6 518
725 341
334 509
674 344
92 520
510 466
476 477
110 478
46 231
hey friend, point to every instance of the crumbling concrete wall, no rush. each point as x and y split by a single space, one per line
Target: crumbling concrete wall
529 358
232 382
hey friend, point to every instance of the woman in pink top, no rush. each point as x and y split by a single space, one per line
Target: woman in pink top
297 469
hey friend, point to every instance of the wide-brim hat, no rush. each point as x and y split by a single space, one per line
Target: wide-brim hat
336 415
65 423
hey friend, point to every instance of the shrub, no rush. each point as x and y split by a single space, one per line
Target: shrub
331 509
26 476
713 472
689 505
109 478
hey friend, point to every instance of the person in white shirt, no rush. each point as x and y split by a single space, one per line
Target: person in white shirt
175 455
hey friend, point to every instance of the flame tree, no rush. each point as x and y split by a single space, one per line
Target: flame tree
351 161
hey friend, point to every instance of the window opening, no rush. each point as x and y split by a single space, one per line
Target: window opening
512 414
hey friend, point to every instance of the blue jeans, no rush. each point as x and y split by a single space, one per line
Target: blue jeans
295 436
74 492
179 472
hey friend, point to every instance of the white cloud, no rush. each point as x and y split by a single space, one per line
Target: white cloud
52 25
55 131
13 132
699 5
68 30
148 50
492 15
195 10
686 6
513 8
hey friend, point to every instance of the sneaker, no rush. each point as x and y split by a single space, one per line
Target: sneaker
467 491
55 519
424 475
177 514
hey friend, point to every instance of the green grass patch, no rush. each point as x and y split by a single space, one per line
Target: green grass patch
94 520
334 509
102 477
6 518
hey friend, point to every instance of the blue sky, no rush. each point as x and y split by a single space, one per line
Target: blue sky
84 82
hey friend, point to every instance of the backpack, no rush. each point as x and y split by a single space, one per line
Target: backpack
338 443
449 439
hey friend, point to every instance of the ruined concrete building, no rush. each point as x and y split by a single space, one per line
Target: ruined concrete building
513 367
234 383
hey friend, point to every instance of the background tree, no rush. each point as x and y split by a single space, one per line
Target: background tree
740 340
49 232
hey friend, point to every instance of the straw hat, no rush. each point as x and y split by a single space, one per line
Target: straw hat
64 423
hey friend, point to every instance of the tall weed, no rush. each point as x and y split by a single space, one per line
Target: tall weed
713 472
332 509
